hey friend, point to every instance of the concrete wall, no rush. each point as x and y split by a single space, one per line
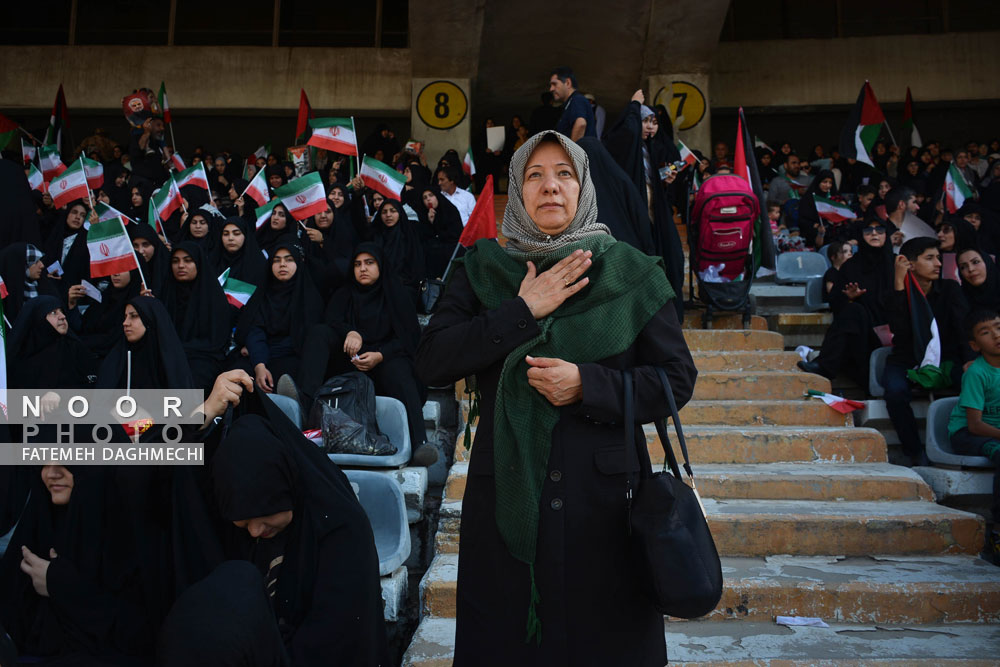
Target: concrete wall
811 72
208 78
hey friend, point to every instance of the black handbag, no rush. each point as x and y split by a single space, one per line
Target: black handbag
430 291
672 546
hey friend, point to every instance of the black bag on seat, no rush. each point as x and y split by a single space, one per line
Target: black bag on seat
353 396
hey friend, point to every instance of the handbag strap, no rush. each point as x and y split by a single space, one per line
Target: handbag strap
628 412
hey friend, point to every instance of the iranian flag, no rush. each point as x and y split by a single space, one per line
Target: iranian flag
382 178
838 403
69 185
110 249
51 162
956 190
686 154
334 134
177 162
264 212
908 124
304 197
833 211
27 152
154 219
94 171
863 126
166 200
759 143
57 121
237 291
192 176
3 289
257 189
35 179
8 130
164 106
468 164
107 212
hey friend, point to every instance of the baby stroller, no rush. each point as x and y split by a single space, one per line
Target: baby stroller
722 222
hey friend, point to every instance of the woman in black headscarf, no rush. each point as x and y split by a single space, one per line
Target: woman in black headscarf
858 301
237 250
418 177
814 229
275 174
154 255
116 185
912 176
44 353
101 324
980 279
440 227
280 224
373 318
18 221
67 244
199 310
139 194
331 234
765 165
273 324
24 277
201 227
70 581
149 348
451 158
294 515
954 233
400 243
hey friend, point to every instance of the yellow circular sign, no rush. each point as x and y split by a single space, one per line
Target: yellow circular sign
684 101
442 105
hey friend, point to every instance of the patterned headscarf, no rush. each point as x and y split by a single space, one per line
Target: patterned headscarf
32 255
524 236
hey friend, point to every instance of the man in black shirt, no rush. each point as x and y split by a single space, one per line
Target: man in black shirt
577 120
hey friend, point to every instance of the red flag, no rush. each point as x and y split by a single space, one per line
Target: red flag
740 154
305 113
483 219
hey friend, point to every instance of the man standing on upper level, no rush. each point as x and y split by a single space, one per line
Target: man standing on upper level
464 201
577 119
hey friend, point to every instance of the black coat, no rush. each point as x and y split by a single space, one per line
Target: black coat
581 537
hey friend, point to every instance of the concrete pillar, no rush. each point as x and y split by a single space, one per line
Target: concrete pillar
685 95
440 115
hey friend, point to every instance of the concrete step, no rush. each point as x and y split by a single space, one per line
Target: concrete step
761 385
765 644
692 320
781 481
809 528
722 360
800 328
732 339
894 589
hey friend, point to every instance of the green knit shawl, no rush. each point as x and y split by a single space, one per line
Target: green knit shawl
626 289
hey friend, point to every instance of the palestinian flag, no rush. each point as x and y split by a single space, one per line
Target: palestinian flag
57 121
304 197
305 113
264 212
257 189
382 178
468 164
51 162
110 249
164 106
94 171
838 403
28 152
334 134
238 292
795 189
167 200
745 166
908 124
107 212
862 128
686 154
956 190
482 222
69 185
833 211
931 372
35 179
193 176
8 130
757 143
176 162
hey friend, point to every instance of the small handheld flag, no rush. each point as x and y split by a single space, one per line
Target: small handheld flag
333 134
264 212
468 164
110 249
257 189
304 197
69 185
382 178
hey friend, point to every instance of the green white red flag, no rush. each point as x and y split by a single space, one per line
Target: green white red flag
956 190
237 291
107 212
167 200
110 248
833 211
686 154
35 179
177 162
382 178
94 171
334 134
27 152
154 219
8 130
257 188
759 143
864 124
468 164
50 162
164 106
3 289
838 403
908 124
69 185
264 212
193 176
304 197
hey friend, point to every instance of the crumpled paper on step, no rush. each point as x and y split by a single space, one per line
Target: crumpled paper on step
800 620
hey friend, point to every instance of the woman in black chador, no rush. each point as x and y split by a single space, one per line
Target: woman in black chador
44 353
547 324
293 514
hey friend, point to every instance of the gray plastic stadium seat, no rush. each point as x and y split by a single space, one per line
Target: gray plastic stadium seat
391 417
799 267
382 498
814 295
939 444
876 366
290 407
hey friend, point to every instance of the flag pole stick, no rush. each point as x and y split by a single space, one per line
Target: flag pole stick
173 142
205 174
138 264
886 123
444 276
84 170
30 135
7 322
357 153
173 184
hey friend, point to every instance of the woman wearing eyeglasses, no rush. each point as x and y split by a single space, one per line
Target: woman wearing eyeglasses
858 303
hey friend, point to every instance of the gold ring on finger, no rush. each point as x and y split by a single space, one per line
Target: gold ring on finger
567 282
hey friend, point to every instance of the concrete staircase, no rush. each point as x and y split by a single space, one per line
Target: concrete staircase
811 521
